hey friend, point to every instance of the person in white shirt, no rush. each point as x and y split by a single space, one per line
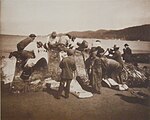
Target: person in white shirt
31 50
52 40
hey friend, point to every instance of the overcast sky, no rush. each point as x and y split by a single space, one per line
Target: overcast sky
44 16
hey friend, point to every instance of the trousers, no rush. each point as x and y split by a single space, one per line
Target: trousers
66 88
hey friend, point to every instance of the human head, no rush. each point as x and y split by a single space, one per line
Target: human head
73 38
93 52
39 44
145 67
32 36
126 45
83 45
70 52
100 51
54 34
116 47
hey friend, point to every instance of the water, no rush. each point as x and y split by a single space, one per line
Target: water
8 44
136 46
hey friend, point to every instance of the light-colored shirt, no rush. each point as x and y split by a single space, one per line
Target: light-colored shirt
77 40
32 47
64 40
52 40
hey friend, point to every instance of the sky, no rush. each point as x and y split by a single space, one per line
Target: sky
22 17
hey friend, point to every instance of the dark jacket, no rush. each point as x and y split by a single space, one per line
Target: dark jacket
21 45
118 57
127 54
68 67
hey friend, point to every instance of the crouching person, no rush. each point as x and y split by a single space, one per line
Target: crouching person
68 67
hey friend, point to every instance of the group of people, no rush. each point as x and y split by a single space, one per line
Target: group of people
101 67
98 65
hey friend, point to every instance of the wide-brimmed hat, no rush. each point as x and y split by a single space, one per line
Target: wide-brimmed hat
32 35
126 44
84 44
98 41
116 47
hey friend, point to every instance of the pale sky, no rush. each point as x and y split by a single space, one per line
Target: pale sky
41 17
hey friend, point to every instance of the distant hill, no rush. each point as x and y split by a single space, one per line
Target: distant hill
131 33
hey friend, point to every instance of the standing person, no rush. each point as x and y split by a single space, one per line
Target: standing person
95 72
68 67
21 45
127 54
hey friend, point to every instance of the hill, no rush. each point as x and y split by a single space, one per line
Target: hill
131 33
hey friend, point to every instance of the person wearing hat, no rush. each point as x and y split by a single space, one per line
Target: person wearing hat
68 68
127 54
116 55
21 45
94 69
82 46
110 68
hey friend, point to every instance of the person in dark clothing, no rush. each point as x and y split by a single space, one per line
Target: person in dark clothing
95 72
111 68
21 45
68 67
147 75
116 55
127 54
114 70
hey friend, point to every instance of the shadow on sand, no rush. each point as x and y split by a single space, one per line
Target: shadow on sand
50 91
135 100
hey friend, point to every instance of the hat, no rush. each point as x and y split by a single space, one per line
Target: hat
32 35
116 47
126 44
84 44
70 52
100 50
98 41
